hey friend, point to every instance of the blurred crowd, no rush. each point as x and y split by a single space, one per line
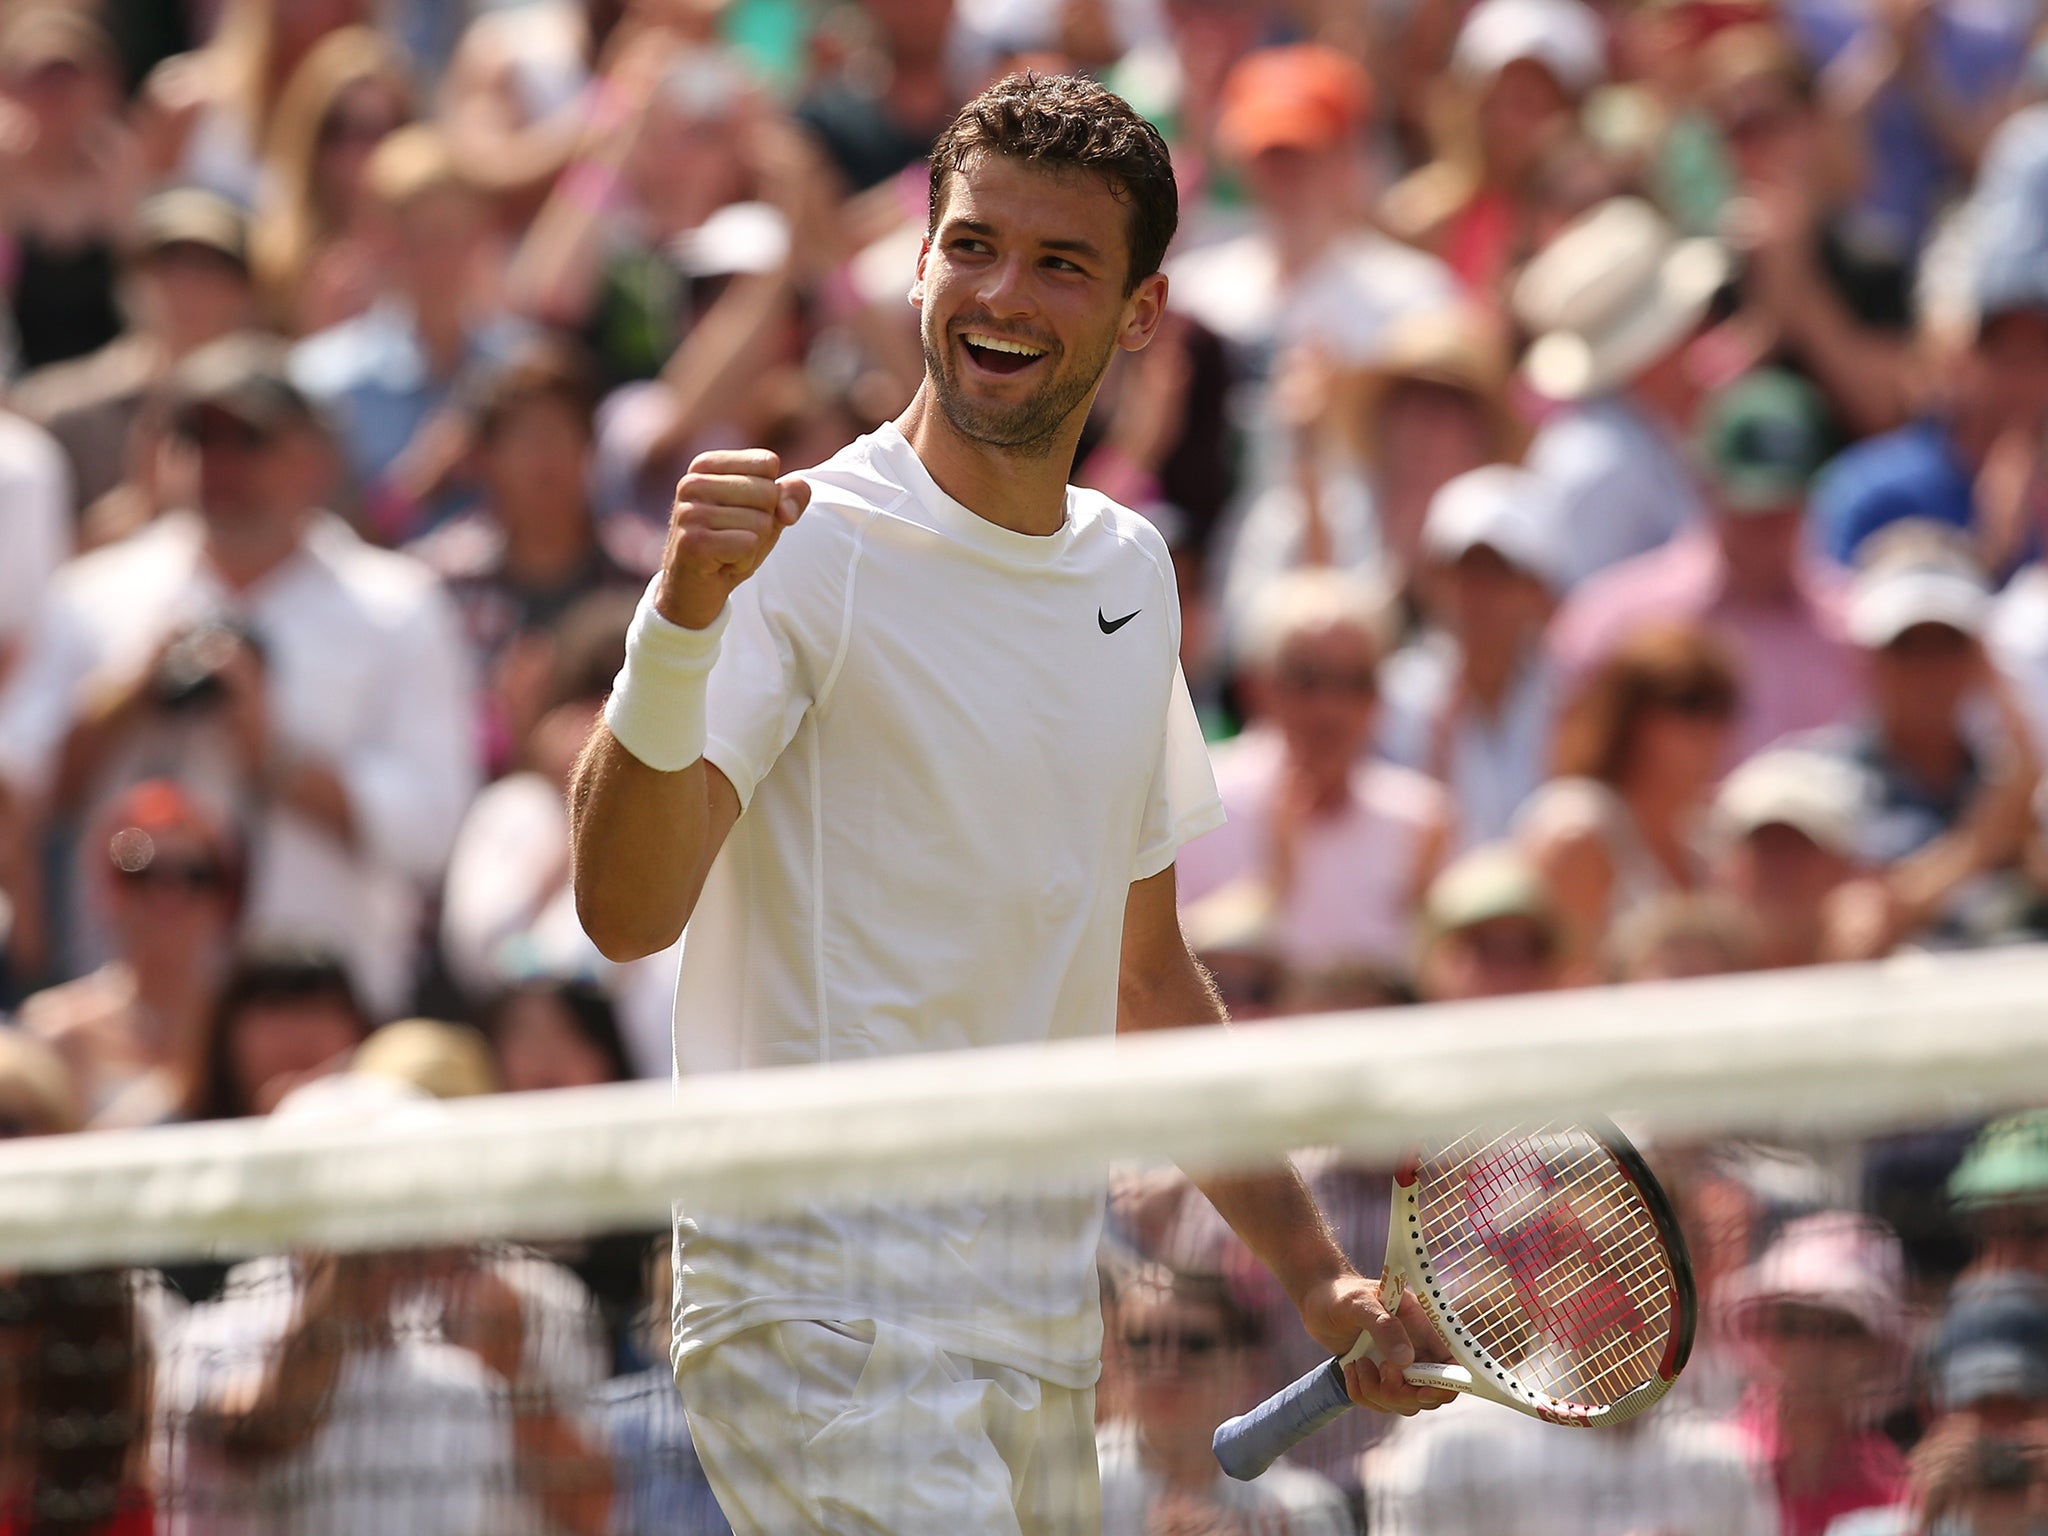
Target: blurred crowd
1604 449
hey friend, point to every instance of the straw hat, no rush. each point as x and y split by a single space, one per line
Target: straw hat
1615 291
1450 346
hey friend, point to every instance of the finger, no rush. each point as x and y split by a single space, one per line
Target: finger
739 548
754 463
708 490
796 495
1428 1343
711 514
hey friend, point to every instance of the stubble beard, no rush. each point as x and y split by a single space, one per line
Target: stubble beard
1029 428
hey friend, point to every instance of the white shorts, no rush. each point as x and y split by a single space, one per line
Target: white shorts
840 1429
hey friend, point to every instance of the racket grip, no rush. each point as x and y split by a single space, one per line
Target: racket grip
1248 1444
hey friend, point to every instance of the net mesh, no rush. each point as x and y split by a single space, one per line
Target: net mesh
899 1278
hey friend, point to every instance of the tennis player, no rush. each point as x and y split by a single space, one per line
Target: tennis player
906 742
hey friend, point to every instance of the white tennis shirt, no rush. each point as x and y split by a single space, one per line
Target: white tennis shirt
956 746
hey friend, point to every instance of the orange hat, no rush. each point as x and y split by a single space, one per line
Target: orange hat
1305 96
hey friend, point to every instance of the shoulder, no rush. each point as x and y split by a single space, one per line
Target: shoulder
465 548
1569 811
1134 533
386 585
1580 446
156 555
1400 273
335 359
1403 795
1911 458
854 483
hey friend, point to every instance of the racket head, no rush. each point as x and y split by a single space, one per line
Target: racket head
1550 1261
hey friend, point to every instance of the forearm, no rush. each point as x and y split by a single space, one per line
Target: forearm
292 1402
569 1480
637 846
719 360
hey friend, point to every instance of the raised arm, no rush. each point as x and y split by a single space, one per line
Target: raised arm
647 814
1162 986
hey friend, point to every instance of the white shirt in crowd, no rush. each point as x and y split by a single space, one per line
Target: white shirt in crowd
35 527
508 912
1472 1469
958 746
1491 764
367 673
1622 480
1356 873
1285 1500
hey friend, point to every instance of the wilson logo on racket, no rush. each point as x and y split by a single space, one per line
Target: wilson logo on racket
1549 1263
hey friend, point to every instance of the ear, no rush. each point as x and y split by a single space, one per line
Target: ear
1143 311
924 250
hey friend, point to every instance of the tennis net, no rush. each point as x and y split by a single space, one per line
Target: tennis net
375 1314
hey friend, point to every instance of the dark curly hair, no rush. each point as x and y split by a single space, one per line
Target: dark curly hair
1069 121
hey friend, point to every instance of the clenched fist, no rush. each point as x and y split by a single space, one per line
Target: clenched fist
729 510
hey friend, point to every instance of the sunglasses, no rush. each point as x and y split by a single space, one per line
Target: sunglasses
353 130
191 875
1345 682
1804 1323
1698 703
213 429
1163 1348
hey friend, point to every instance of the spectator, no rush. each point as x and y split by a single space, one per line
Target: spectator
417 1391
37 1095
71 1352
507 912
880 114
1969 459
557 1033
1680 935
1478 1474
1340 846
1519 72
282 1017
1837 305
170 882
1637 753
2001 1190
1742 572
258 652
389 376
1823 1317
1292 123
1489 930
535 546
1472 701
206 116
69 178
1373 446
1616 302
35 529
184 283
1787 825
1182 1341
314 250
1952 805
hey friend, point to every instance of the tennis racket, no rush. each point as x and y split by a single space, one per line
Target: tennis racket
1548 1260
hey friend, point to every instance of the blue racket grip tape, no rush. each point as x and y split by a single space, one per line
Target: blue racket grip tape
1248 1444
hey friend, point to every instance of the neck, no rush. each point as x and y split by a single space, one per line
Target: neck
1489 674
1932 752
1810 1450
1021 489
172 987
545 550
1302 236
243 555
1191 1465
442 335
1660 812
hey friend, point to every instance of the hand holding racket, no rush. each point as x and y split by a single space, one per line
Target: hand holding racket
1548 1261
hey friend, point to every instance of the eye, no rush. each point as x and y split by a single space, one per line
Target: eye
1061 264
969 245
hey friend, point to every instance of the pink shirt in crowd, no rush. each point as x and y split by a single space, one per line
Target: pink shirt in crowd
1869 1472
1354 889
1798 669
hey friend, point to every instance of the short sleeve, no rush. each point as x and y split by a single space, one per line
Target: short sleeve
1183 802
781 647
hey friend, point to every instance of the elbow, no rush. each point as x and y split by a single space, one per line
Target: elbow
622 935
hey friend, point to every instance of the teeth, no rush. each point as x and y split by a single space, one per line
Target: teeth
997 344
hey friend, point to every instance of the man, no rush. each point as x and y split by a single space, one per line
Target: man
1743 572
1788 823
1615 302
255 650
1473 700
1338 845
950 708
185 282
1489 930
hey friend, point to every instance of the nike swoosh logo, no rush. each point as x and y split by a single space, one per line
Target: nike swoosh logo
1111 626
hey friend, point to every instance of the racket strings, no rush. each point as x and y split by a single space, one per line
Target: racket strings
1549 1259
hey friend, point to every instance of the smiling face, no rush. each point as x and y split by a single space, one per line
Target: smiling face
1022 289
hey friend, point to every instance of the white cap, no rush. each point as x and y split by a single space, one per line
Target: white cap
1514 512
1889 600
1564 36
1821 796
738 238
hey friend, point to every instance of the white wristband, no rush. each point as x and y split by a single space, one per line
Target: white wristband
657 705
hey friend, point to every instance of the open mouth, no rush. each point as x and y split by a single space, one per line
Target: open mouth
998 354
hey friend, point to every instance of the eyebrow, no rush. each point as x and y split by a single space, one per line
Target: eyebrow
1077 247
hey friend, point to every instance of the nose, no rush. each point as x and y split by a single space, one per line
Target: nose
1005 288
